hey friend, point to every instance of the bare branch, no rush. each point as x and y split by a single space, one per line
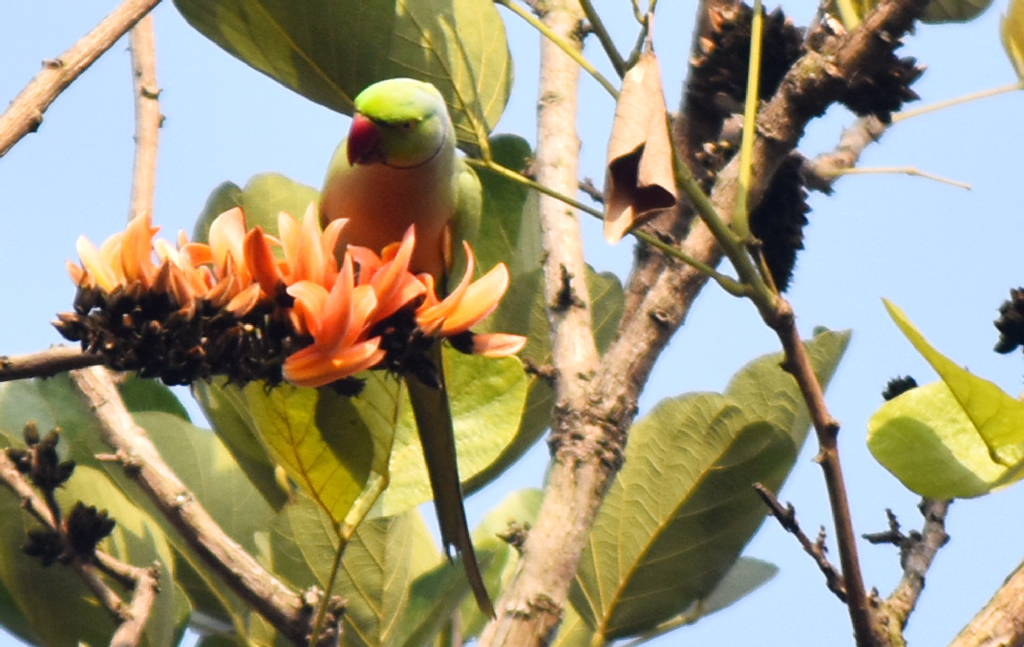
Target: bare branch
147 117
1001 622
284 608
786 517
147 585
917 551
25 113
47 363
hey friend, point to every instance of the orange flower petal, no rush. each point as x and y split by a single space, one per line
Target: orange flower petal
497 344
309 263
310 299
261 262
389 281
137 251
431 316
480 299
312 367
94 264
227 233
244 301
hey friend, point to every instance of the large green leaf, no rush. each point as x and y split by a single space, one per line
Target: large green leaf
486 397
522 313
510 226
377 570
681 509
329 50
679 512
329 444
767 392
928 442
997 416
263 198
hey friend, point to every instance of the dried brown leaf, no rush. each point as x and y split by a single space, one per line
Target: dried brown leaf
639 179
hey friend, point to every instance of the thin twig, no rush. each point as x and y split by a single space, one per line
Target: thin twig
897 170
283 608
822 171
25 113
563 43
786 516
941 105
587 186
606 40
147 117
46 363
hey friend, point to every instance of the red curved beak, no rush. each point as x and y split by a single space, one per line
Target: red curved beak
363 141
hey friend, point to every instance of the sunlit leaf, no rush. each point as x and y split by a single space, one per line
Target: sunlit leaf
679 512
746 576
322 438
1012 31
928 442
998 417
329 50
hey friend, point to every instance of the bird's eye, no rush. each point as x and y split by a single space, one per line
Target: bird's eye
406 126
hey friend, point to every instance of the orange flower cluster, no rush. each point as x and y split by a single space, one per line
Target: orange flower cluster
342 309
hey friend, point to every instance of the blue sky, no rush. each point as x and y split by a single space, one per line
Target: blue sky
947 256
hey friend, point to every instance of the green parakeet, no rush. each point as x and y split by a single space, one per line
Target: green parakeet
397 168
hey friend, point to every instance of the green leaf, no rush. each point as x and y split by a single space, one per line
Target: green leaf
679 512
194 454
238 433
150 395
940 11
1011 29
329 50
681 509
998 417
323 439
928 442
264 197
767 392
746 576
377 570
509 229
574 631
486 397
522 312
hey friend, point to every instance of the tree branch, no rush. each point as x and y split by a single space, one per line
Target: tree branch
147 117
25 113
585 454
786 516
917 551
284 608
47 363
1001 622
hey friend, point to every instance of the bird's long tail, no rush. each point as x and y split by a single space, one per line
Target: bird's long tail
434 423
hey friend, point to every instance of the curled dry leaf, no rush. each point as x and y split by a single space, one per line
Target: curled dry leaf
639 179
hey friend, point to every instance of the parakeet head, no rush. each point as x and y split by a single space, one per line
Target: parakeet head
402 123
